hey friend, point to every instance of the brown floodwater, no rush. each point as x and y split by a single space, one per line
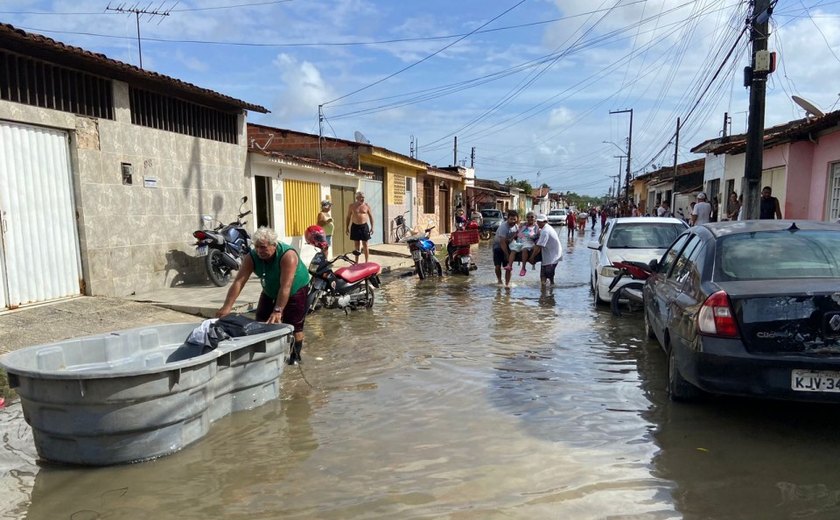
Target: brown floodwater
455 398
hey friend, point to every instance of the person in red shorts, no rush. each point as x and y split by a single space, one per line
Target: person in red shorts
571 223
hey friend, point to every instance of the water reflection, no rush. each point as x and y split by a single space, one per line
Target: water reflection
458 398
182 485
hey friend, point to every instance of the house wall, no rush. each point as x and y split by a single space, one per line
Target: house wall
139 237
715 168
827 153
396 201
278 170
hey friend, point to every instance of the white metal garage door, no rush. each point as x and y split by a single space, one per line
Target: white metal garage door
373 196
39 250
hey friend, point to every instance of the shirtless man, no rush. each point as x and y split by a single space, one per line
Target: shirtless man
359 223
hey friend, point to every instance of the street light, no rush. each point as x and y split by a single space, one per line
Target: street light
612 143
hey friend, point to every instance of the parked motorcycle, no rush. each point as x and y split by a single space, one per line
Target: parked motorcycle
223 247
344 288
458 257
630 293
423 253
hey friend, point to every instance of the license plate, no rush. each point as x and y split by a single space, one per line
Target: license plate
416 255
465 260
815 381
201 250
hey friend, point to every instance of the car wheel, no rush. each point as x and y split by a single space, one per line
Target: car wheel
595 298
679 389
648 328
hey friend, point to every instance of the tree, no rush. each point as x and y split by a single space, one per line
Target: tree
522 185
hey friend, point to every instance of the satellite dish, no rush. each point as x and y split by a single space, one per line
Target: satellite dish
808 107
360 137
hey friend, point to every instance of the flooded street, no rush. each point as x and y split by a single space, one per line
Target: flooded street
456 398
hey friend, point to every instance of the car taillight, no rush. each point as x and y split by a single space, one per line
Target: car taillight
200 235
716 317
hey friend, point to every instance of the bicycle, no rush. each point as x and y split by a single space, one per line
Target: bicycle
399 226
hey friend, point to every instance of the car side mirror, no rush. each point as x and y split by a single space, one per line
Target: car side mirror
654 265
594 245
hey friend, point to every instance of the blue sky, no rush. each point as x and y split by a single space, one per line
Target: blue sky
530 84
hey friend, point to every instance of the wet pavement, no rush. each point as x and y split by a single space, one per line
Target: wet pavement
456 398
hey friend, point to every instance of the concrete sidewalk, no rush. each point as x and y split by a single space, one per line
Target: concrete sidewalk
83 316
204 300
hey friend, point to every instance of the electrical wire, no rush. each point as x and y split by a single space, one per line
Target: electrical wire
386 78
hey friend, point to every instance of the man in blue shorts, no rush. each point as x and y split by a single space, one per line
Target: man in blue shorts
506 231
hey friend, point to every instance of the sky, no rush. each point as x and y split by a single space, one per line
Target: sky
540 89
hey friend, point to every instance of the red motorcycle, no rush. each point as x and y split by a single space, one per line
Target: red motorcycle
629 293
458 257
345 288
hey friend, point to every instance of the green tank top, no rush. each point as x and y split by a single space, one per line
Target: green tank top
269 271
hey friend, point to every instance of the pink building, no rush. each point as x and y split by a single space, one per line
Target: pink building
801 163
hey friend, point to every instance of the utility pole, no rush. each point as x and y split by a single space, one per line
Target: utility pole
137 12
320 131
676 148
472 158
629 151
756 78
455 152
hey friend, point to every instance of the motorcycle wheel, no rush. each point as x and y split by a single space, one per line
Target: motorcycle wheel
620 297
465 269
436 266
312 300
484 235
418 266
369 296
216 271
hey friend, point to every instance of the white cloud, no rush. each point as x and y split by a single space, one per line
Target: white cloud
560 116
303 88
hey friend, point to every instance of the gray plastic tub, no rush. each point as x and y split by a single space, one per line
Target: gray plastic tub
141 393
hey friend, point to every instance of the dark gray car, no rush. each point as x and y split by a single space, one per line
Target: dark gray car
750 308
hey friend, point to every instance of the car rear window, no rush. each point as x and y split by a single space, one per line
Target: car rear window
491 213
772 255
643 235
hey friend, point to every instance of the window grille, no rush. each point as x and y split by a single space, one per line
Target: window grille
428 196
37 83
834 193
175 115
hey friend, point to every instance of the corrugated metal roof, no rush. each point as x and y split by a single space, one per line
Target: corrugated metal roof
47 49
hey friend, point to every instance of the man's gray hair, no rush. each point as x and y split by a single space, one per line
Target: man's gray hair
264 234
360 193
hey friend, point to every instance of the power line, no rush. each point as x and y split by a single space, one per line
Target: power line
377 82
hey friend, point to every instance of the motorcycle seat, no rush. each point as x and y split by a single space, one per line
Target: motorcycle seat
357 272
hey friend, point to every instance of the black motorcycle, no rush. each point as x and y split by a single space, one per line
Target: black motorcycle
344 288
223 247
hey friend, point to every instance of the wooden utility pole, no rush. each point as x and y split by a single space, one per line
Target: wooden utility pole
629 152
676 148
755 77
137 11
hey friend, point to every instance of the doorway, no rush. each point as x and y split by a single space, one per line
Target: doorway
341 197
262 204
445 210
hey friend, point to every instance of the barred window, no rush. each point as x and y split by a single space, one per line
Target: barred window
175 115
428 196
32 82
834 193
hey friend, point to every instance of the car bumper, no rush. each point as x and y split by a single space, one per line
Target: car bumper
603 286
724 366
